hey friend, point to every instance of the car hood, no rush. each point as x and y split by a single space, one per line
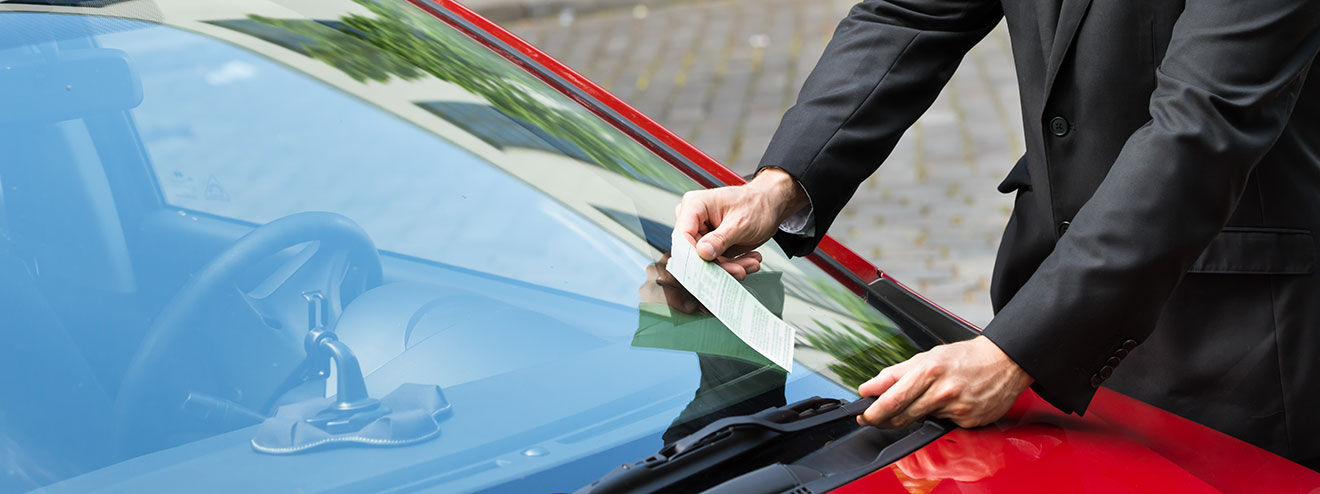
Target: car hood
1120 445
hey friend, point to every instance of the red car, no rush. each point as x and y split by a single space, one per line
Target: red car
385 245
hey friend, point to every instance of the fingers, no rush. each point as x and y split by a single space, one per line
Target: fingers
738 271
893 401
690 215
710 207
937 398
742 266
728 221
730 232
884 380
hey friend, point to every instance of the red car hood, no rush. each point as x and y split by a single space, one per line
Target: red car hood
1121 445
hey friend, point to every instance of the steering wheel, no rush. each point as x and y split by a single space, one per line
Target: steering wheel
308 288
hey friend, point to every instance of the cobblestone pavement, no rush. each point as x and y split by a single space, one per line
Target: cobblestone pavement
721 73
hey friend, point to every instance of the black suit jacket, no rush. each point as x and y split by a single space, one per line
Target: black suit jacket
1167 197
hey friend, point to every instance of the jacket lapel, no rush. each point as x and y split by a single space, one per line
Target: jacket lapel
1070 18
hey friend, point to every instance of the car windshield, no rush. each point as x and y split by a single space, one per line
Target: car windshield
316 246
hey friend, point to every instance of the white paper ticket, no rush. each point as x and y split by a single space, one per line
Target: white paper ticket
732 304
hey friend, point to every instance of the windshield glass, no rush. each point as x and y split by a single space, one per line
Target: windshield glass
343 246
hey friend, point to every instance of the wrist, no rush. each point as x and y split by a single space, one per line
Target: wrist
1016 373
783 190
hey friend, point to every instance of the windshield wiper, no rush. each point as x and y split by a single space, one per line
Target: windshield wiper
771 451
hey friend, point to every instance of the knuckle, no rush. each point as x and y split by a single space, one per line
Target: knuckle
935 367
883 405
946 393
888 407
916 360
884 374
959 411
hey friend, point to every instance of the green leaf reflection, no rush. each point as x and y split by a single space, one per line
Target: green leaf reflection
860 351
403 42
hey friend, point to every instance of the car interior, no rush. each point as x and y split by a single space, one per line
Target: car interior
95 268
91 258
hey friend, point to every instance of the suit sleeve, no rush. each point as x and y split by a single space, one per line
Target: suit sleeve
1224 94
887 62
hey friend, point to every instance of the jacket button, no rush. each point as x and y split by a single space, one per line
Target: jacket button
1105 372
1095 381
1121 353
1113 361
1129 345
1059 126
1063 228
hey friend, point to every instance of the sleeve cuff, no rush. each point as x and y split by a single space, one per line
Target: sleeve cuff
803 222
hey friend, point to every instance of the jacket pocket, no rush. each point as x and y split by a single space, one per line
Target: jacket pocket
1018 178
1245 250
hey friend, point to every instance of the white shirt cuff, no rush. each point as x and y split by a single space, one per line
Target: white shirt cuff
803 222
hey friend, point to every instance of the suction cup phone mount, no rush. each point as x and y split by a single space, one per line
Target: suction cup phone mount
353 407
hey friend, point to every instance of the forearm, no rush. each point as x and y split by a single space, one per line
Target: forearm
885 65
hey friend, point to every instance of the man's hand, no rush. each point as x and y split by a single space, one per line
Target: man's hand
728 222
972 383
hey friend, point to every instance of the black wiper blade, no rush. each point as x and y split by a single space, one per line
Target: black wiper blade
735 445
788 419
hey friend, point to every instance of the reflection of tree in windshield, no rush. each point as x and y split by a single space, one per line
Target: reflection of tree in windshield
861 352
405 43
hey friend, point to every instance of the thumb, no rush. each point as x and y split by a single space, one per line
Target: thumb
714 244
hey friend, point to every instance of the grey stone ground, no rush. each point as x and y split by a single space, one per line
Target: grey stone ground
721 73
